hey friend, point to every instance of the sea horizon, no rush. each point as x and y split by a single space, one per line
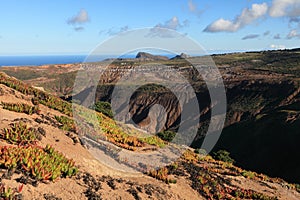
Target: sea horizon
56 59
38 60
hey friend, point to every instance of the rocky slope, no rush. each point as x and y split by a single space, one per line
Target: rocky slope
262 91
196 176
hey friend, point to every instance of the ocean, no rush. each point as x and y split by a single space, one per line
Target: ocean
37 60
40 60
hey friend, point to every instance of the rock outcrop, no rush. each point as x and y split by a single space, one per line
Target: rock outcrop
143 56
181 56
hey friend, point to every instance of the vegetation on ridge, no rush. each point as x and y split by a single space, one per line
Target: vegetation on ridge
114 133
20 107
208 177
48 100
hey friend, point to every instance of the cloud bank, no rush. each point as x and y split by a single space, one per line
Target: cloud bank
282 8
246 17
277 8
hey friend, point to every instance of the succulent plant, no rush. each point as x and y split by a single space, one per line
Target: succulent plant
41 163
20 134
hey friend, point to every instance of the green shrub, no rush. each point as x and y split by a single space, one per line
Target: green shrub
200 151
153 140
162 174
223 155
68 124
166 135
297 187
248 174
104 107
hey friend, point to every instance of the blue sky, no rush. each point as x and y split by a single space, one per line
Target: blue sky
77 27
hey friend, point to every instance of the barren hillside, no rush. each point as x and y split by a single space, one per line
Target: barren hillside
31 120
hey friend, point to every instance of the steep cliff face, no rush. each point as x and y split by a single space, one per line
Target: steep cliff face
151 117
246 100
268 144
252 98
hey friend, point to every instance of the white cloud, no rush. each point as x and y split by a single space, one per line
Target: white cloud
222 25
281 8
293 34
81 18
172 23
112 31
277 46
246 17
162 30
193 8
